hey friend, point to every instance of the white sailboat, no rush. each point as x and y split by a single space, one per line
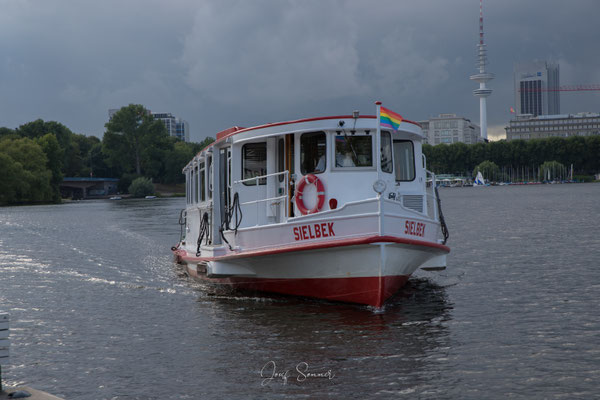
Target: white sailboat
479 181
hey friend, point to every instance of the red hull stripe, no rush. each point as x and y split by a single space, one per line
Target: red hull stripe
182 254
373 291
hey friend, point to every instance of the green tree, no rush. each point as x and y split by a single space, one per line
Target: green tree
6 133
552 171
200 146
54 156
488 169
97 163
28 171
177 158
11 179
141 187
39 128
592 154
133 140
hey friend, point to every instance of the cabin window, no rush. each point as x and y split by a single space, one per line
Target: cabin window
313 153
353 151
404 160
191 191
195 184
187 186
229 166
210 177
281 158
254 162
202 182
387 163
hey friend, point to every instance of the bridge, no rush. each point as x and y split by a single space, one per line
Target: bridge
88 188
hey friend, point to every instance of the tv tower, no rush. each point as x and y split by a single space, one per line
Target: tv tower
482 77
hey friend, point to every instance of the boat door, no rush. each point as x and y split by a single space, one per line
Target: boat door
285 162
224 182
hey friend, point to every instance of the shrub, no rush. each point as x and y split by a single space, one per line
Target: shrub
583 178
141 187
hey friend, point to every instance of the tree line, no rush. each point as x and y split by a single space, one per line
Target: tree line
36 156
583 152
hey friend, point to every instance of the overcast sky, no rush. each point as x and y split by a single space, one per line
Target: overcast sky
222 63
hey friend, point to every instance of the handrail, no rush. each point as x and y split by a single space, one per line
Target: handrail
261 177
263 200
276 200
434 194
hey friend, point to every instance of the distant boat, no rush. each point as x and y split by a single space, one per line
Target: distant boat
479 180
150 197
116 198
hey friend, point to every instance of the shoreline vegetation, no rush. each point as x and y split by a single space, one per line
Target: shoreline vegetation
36 156
548 159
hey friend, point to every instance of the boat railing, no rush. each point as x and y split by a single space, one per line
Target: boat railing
431 196
434 206
278 187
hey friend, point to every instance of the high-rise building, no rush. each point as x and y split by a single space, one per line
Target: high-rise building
450 128
536 85
175 126
182 130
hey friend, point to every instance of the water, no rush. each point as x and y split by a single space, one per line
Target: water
99 311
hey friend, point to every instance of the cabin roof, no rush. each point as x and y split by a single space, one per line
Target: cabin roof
224 134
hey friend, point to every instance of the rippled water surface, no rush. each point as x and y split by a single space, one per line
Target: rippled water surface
99 311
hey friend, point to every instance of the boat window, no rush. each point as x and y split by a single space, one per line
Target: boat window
191 191
187 186
404 160
280 158
353 151
210 177
195 184
313 154
202 181
387 164
229 166
254 162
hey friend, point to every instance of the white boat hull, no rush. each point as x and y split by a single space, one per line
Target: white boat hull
365 271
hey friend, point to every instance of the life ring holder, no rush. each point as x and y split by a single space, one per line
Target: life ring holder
313 180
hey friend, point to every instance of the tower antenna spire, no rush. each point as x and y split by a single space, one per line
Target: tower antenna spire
482 77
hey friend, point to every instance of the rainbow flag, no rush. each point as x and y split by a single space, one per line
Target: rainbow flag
389 119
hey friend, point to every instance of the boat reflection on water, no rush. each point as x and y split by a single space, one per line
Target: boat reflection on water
361 345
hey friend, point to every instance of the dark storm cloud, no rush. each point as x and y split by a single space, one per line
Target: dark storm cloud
223 63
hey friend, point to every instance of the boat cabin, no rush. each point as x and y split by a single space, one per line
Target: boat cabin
284 172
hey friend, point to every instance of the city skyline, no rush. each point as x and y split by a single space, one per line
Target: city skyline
281 60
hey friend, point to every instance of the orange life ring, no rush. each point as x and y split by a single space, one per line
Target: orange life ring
313 180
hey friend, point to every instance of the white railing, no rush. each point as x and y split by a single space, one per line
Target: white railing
430 193
273 200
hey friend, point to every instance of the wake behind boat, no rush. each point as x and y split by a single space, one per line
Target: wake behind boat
333 207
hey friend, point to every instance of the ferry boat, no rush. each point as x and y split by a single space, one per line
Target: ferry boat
336 208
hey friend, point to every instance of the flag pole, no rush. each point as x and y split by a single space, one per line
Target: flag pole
378 140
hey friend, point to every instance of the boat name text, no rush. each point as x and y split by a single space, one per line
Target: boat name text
414 228
314 231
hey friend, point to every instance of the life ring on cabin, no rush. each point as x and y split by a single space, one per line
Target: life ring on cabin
313 180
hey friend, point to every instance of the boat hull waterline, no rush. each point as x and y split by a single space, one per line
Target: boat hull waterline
364 270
